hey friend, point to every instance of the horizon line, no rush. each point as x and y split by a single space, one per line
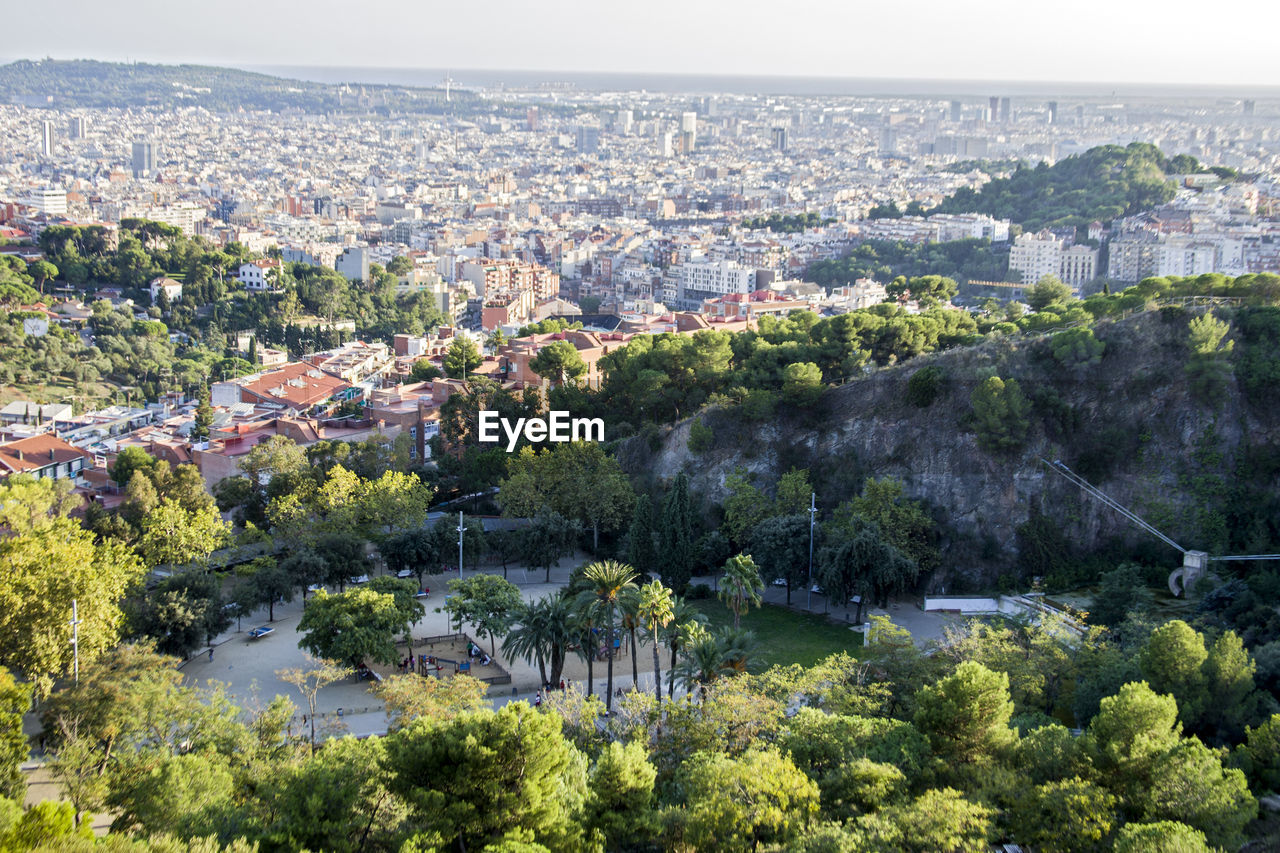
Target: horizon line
1117 85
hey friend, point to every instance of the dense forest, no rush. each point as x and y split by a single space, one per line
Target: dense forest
93 84
1102 184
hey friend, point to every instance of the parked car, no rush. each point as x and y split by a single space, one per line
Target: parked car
358 579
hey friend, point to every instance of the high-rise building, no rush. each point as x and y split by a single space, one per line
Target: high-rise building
1080 115
666 145
144 158
588 141
46 138
688 132
780 138
993 108
533 120
624 121
955 111
1248 107
710 107
51 201
1053 112
1006 114
75 127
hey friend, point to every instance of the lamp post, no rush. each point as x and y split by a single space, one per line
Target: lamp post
813 514
461 529
75 640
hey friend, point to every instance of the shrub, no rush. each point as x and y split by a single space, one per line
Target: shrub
925 385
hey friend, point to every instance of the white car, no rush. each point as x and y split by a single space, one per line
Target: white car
779 581
404 573
358 579
316 587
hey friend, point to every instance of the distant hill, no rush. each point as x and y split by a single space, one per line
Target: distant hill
1103 183
88 83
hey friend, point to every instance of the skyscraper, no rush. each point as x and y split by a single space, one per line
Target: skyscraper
588 139
994 114
144 158
75 127
1053 112
780 138
1248 107
955 111
688 132
624 121
1006 115
533 119
46 138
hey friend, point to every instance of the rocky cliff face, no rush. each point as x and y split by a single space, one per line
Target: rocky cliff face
1129 424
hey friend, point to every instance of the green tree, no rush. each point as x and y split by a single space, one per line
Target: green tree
352 627
548 537
966 715
759 798
424 371
336 801
802 383
620 803
655 608
1166 836
15 701
182 613
203 420
741 585
462 357
939 819
1000 411
543 635
1077 348
46 570
1067 816
675 533
607 582
1208 365
175 536
578 480
471 780
642 550
489 602
558 362
1047 292
309 681
129 460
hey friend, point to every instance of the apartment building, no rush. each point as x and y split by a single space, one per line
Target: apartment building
699 281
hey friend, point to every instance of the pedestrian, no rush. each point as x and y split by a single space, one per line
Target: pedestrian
211 654
537 700
562 684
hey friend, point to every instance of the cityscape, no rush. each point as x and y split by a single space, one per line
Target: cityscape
677 452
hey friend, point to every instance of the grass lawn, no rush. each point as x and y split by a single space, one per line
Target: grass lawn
786 636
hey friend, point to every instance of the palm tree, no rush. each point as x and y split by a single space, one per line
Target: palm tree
683 614
654 612
629 609
701 661
544 634
741 586
608 581
528 640
737 649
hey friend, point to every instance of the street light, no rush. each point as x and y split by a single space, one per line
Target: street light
813 514
461 529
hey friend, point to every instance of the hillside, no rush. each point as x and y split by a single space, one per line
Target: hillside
1102 184
88 83
1131 424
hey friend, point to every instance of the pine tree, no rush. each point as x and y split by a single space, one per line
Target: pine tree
642 551
676 563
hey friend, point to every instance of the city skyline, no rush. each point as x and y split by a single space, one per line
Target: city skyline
939 41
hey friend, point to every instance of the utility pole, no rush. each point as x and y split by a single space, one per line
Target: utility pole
813 514
461 529
75 640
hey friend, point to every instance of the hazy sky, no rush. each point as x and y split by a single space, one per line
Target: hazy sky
1176 41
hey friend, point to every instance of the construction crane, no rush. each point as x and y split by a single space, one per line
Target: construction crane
1194 562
